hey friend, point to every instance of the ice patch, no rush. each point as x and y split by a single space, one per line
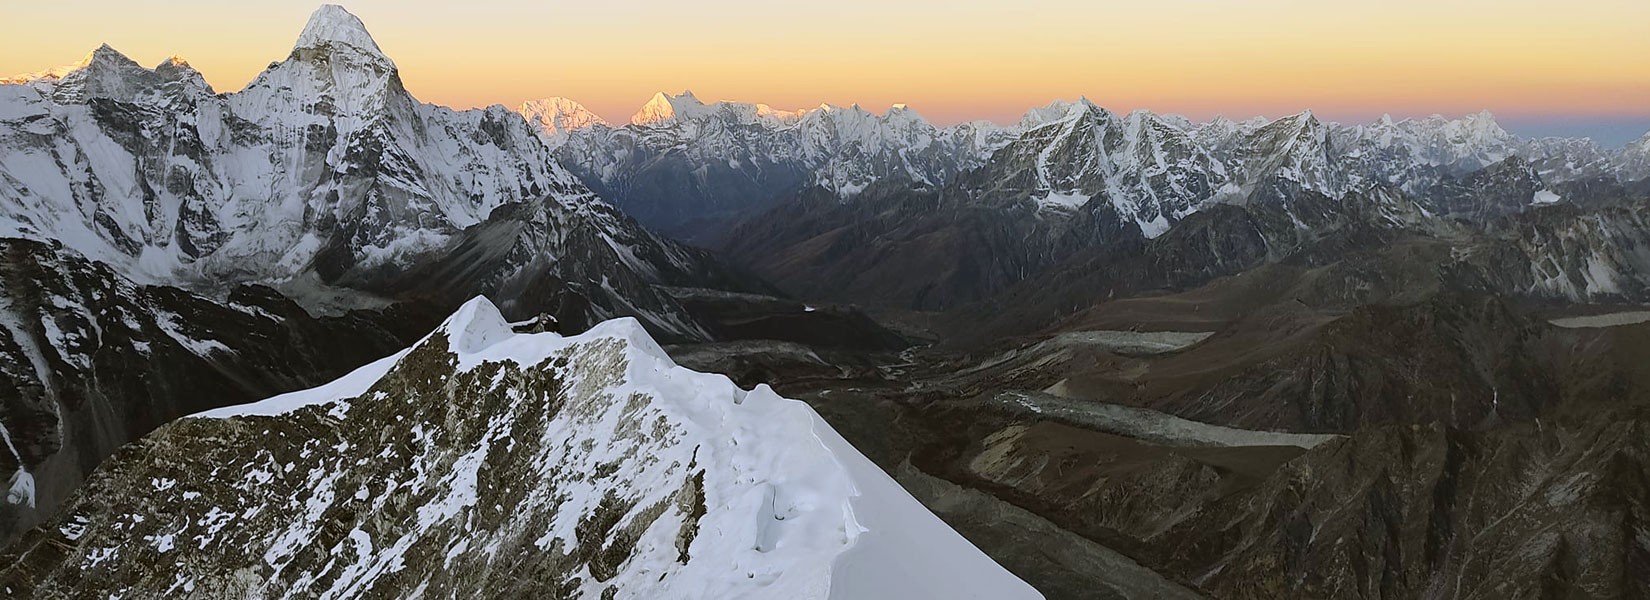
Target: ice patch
1071 200
1608 320
21 489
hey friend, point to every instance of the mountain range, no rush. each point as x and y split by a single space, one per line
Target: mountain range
316 338
693 170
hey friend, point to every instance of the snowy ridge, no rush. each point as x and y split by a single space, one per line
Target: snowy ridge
593 456
842 149
1147 168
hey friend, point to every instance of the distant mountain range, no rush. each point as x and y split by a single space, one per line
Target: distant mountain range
693 170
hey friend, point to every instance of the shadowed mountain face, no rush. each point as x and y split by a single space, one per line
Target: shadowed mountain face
95 361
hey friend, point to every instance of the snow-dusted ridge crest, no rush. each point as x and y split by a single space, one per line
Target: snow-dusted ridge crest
482 462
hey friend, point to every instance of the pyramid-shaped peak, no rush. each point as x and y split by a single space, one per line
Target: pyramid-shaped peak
104 57
106 54
331 24
664 108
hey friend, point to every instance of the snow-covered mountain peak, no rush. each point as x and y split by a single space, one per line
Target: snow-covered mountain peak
335 69
331 25
662 109
105 53
557 117
777 116
106 73
1058 110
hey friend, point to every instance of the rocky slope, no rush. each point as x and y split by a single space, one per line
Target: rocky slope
1532 510
93 360
484 463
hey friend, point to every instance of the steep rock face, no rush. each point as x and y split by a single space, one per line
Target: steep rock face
94 360
324 172
483 463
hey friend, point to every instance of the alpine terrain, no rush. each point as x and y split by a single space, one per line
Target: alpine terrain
482 462
316 338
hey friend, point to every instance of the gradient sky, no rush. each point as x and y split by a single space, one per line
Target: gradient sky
1577 67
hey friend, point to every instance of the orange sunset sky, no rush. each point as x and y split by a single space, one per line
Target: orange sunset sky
1578 67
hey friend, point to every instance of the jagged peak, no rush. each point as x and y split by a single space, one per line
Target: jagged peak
103 54
902 112
555 115
173 61
1484 125
1053 111
769 112
101 59
555 103
331 25
106 72
663 108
